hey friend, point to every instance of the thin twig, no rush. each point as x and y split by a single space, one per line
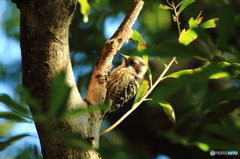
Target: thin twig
143 99
177 18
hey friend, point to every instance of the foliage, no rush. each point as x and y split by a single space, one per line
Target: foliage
203 89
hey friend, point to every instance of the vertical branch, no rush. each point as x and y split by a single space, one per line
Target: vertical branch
97 88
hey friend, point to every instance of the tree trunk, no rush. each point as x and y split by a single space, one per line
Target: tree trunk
44 27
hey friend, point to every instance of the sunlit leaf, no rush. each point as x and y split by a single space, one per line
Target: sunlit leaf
193 23
138 41
85 9
183 72
141 91
212 23
192 71
168 111
187 36
184 4
203 146
161 6
219 75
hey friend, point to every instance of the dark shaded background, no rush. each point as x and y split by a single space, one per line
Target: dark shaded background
148 133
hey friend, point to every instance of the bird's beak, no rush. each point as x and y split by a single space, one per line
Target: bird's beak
125 57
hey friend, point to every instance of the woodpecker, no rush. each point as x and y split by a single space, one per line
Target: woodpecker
124 81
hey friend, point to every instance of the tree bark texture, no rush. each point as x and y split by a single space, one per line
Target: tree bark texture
44 27
97 88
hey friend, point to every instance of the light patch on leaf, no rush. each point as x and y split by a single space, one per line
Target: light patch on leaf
182 72
187 36
143 89
212 23
168 109
203 147
84 9
219 75
138 41
161 6
193 23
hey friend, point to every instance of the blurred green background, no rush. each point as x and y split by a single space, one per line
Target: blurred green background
207 111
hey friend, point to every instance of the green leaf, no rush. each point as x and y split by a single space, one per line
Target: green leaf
59 95
184 4
168 111
220 75
185 80
5 144
138 41
187 36
193 23
145 58
15 107
141 91
172 49
161 6
183 72
85 9
12 116
203 146
217 75
212 23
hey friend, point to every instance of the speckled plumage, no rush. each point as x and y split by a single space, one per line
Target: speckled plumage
124 81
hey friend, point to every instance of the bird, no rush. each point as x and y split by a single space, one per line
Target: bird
124 82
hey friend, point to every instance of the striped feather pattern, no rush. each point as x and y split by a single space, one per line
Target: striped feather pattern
123 86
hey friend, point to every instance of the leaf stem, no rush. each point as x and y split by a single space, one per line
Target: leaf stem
176 17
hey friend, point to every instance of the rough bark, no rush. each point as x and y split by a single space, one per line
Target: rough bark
97 88
44 27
